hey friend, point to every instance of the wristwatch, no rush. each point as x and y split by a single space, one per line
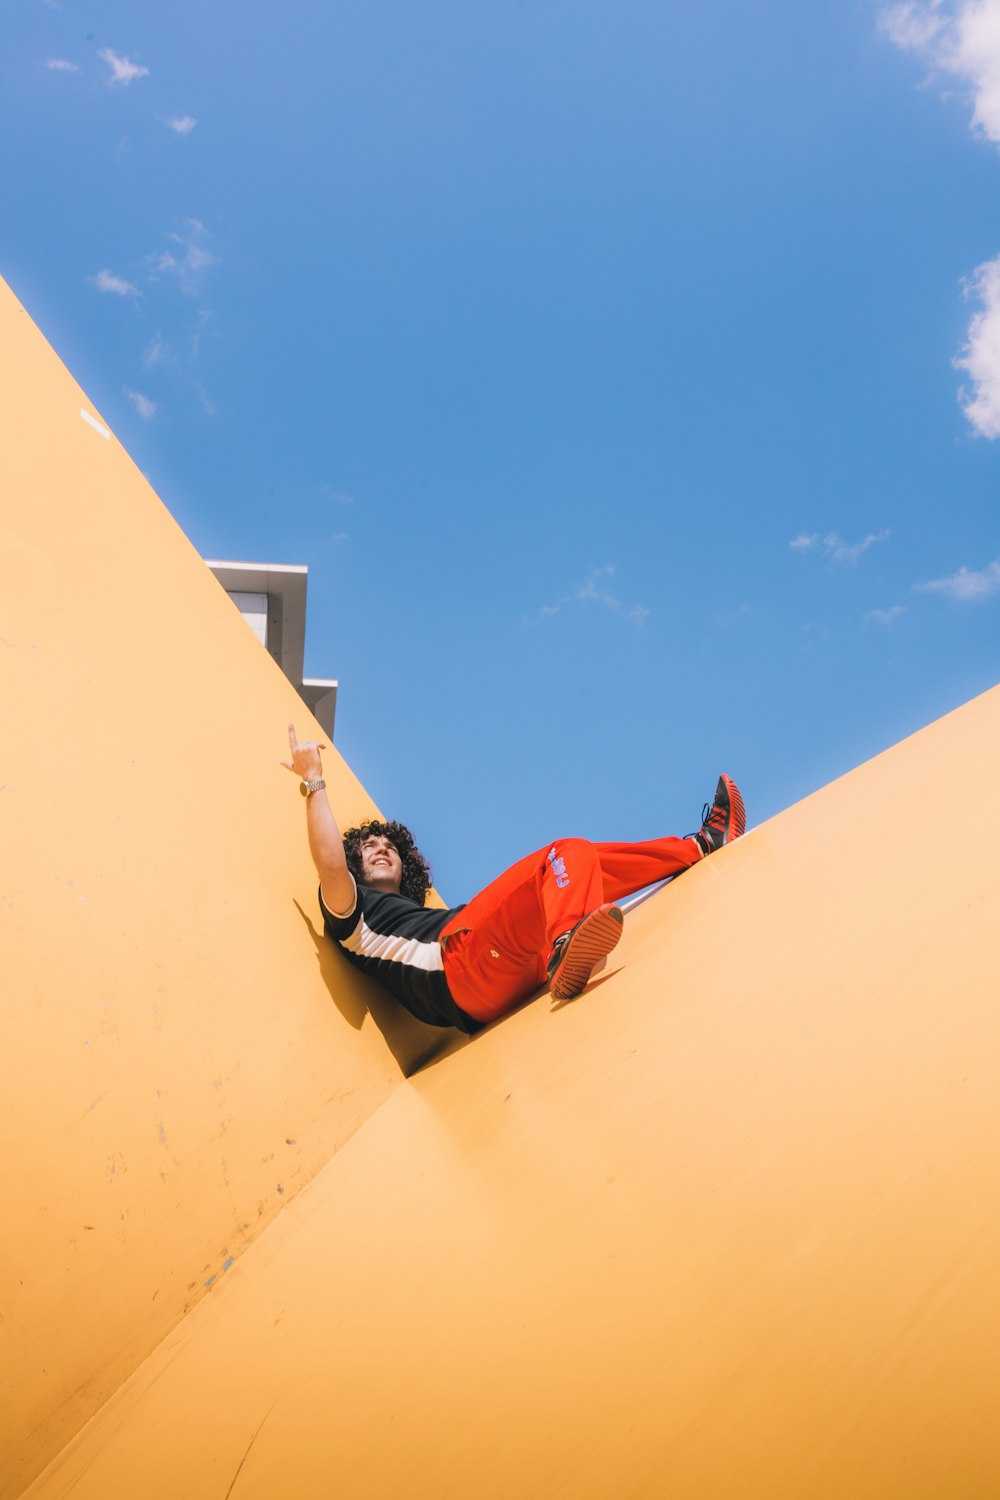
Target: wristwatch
308 787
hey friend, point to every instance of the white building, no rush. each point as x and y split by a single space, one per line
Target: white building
272 600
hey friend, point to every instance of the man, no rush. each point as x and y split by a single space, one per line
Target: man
550 916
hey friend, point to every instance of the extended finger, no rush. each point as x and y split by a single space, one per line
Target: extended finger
291 738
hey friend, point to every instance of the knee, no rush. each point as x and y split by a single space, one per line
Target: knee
571 847
566 855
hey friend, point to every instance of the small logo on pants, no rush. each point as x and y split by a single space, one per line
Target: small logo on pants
558 867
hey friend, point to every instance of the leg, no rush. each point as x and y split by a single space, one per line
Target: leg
624 869
628 868
495 949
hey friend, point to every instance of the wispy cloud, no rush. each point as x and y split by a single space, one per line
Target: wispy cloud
123 70
107 281
330 492
914 26
61 65
966 586
143 405
155 352
727 618
840 551
886 616
960 38
981 356
187 257
182 124
834 546
204 400
594 590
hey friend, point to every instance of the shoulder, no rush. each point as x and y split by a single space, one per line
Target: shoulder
340 924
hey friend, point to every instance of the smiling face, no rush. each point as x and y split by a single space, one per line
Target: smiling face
381 865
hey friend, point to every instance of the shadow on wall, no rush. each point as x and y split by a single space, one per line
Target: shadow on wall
411 1042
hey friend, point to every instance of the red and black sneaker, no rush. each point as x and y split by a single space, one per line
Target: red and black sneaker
725 820
577 951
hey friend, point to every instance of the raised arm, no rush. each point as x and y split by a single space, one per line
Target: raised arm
325 843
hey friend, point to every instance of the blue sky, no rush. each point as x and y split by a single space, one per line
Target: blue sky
627 374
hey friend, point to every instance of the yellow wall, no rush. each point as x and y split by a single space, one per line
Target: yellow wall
727 1225
178 1060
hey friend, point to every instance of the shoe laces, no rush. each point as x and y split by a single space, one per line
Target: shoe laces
713 816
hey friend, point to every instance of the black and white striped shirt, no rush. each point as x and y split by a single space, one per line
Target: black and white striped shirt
397 943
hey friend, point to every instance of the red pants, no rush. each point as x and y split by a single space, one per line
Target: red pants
496 949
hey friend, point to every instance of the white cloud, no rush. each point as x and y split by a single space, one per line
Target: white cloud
836 549
187 259
961 38
107 281
886 616
182 124
594 590
143 405
61 65
971 49
123 70
966 585
914 27
840 551
981 356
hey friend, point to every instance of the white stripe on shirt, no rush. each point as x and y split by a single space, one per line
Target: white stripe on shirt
368 944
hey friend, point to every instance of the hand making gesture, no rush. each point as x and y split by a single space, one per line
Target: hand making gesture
306 761
325 842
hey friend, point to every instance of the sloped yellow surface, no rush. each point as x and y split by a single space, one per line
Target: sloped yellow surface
726 1225
180 1056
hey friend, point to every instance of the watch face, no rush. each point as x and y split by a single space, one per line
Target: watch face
303 789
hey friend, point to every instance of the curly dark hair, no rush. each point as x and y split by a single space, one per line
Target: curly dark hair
416 871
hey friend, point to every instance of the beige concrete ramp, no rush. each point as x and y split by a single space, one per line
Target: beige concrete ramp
727 1225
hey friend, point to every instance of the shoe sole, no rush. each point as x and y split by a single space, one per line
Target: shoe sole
738 813
591 940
